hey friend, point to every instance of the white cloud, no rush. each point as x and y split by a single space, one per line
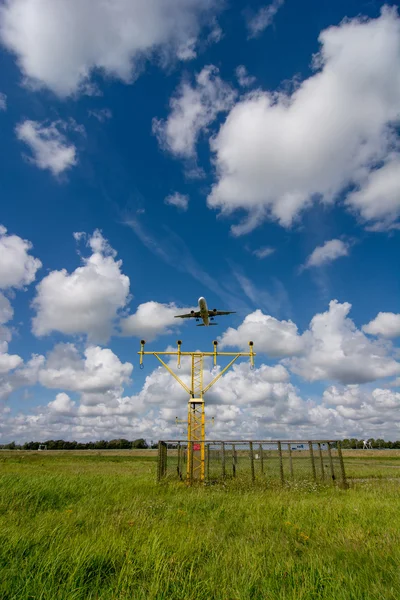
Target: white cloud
377 200
3 101
385 324
244 79
49 146
179 200
86 301
99 372
101 114
61 44
62 405
8 362
334 349
259 403
327 253
257 23
193 109
152 319
17 267
275 338
263 252
25 374
277 152
6 314
374 409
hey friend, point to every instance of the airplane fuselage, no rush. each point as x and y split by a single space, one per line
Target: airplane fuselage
204 311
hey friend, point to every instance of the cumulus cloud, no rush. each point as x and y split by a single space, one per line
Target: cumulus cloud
259 403
181 201
25 374
86 301
385 324
100 371
275 338
193 109
377 198
244 79
8 362
327 253
277 152
17 267
62 405
3 101
334 349
374 409
60 44
257 23
152 319
49 146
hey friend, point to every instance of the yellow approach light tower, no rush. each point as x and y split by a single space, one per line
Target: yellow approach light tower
196 414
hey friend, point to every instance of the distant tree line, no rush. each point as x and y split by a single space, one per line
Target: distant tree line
119 444
354 443
123 444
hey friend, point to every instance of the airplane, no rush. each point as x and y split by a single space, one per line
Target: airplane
204 313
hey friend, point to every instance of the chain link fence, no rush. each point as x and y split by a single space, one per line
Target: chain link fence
252 461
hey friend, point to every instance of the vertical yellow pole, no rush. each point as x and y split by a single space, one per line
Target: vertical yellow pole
203 437
189 462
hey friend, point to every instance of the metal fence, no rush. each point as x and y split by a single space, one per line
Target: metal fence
270 462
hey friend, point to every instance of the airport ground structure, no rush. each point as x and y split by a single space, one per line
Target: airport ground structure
268 462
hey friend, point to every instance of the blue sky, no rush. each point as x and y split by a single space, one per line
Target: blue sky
274 127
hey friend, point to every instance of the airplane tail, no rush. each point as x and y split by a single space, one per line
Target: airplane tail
209 325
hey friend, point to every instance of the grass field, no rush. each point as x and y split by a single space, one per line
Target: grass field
95 525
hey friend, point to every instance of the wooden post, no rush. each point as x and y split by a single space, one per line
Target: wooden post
190 448
223 461
322 462
253 475
281 463
331 462
233 460
312 461
290 460
159 458
342 471
261 459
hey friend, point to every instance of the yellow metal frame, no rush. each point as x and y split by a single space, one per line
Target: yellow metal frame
196 421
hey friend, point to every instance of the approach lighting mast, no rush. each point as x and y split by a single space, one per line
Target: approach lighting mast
196 414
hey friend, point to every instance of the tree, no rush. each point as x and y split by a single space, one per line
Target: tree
140 444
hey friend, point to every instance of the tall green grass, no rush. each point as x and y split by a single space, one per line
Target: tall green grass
99 527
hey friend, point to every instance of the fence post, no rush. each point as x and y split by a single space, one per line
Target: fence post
281 463
343 473
331 462
262 459
312 461
290 460
208 462
179 461
233 460
190 448
223 460
321 461
253 476
159 461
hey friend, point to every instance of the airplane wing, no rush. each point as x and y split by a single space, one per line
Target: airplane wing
221 312
195 314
